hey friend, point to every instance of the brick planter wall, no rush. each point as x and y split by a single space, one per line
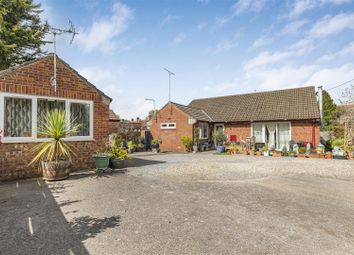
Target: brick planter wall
33 79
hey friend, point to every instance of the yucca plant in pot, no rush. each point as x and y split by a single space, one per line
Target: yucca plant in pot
55 154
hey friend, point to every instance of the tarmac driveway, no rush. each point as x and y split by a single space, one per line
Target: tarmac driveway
186 204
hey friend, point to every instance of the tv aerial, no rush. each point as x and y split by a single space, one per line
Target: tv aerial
55 32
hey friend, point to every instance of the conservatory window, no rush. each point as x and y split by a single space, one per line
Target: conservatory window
80 114
273 134
204 130
17 117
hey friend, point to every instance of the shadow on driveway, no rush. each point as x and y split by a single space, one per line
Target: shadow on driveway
33 223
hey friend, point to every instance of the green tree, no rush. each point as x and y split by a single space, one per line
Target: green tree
330 111
21 32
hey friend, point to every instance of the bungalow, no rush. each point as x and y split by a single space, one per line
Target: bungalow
273 118
25 93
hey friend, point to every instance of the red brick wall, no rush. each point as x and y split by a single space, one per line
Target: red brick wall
302 131
33 79
171 138
241 130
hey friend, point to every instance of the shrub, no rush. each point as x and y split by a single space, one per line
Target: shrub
119 153
265 148
338 142
219 137
302 150
117 140
187 143
156 141
196 136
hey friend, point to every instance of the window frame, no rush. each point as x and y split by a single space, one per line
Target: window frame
168 125
276 130
34 99
201 130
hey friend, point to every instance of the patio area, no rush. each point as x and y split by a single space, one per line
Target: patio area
186 204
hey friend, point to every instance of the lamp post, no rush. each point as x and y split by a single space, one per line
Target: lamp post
153 101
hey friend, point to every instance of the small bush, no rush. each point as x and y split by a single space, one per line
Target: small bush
338 142
302 150
187 143
119 153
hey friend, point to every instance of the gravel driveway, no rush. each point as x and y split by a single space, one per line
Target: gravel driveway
186 204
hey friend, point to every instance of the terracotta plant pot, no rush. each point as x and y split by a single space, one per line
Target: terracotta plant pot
258 153
245 152
276 153
252 152
301 155
55 171
329 156
314 156
322 155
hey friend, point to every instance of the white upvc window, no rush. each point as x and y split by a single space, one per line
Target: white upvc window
169 125
20 116
203 130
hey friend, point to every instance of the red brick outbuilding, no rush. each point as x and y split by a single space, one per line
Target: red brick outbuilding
26 92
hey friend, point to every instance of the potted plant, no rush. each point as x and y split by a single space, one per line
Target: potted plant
155 144
220 139
119 157
292 154
329 155
55 155
265 151
132 146
313 154
187 143
302 152
101 158
196 139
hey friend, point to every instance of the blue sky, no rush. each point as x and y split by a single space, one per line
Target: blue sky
215 47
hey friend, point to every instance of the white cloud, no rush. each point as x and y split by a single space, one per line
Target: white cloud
180 37
265 58
138 108
301 6
224 45
169 19
346 51
261 41
244 6
294 27
303 46
102 32
330 25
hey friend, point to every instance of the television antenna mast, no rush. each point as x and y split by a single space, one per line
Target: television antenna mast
169 83
55 32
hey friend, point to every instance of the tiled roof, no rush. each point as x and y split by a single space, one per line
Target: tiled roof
287 104
193 112
113 116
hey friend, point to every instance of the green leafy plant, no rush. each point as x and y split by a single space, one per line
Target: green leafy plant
132 145
117 140
156 141
119 153
187 143
338 142
265 148
219 137
55 125
302 150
